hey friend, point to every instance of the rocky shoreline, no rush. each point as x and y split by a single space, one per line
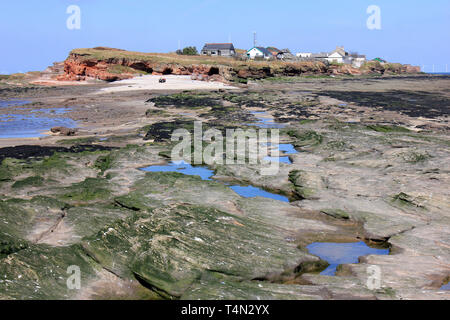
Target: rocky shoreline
371 165
113 64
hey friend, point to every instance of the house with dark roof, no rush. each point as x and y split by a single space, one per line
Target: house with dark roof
218 49
274 51
259 53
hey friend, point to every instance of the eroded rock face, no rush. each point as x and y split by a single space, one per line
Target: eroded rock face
78 67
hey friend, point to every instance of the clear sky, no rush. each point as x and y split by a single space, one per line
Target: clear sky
34 34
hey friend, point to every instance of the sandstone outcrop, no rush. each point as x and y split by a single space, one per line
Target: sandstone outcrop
112 65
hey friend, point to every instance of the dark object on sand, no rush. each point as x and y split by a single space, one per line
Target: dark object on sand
162 80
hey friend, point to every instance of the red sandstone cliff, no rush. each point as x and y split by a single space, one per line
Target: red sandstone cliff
108 67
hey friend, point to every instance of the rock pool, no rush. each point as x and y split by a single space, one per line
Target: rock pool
342 253
31 124
206 174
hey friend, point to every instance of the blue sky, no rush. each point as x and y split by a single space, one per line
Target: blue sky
34 33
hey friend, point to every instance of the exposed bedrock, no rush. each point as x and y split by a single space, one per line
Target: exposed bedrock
84 66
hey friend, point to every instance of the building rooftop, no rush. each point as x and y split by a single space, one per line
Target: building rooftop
273 49
264 51
218 46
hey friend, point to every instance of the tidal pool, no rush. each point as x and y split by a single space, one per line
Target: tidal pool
283 148
342 253
278 159
446 287
287 148
206 174
252 192
264 122
184 168
30 125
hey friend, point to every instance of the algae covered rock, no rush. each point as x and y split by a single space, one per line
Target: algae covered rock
172 247
41 272
306 184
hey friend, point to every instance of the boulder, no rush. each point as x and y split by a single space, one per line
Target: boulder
63 131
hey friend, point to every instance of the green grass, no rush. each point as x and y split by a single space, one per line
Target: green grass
119 69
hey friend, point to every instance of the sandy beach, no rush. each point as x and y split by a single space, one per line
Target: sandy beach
173 82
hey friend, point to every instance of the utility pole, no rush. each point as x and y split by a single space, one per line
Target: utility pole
254 39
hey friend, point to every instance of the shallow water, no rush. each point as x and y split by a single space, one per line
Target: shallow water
206 174
287 148
184 168
55 111
264 122
32 124
278 159
342 253
446 287
283 148
252 192
12 103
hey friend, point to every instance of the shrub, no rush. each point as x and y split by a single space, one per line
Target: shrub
190 51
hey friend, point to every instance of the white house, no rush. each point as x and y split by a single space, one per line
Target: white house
358 60
338 55
335 57
259 52
304 55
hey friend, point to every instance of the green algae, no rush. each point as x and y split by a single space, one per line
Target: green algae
303 189
41 272
88 190
104 163
34 181
387 129
172 247
305 139
183 100
336 213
